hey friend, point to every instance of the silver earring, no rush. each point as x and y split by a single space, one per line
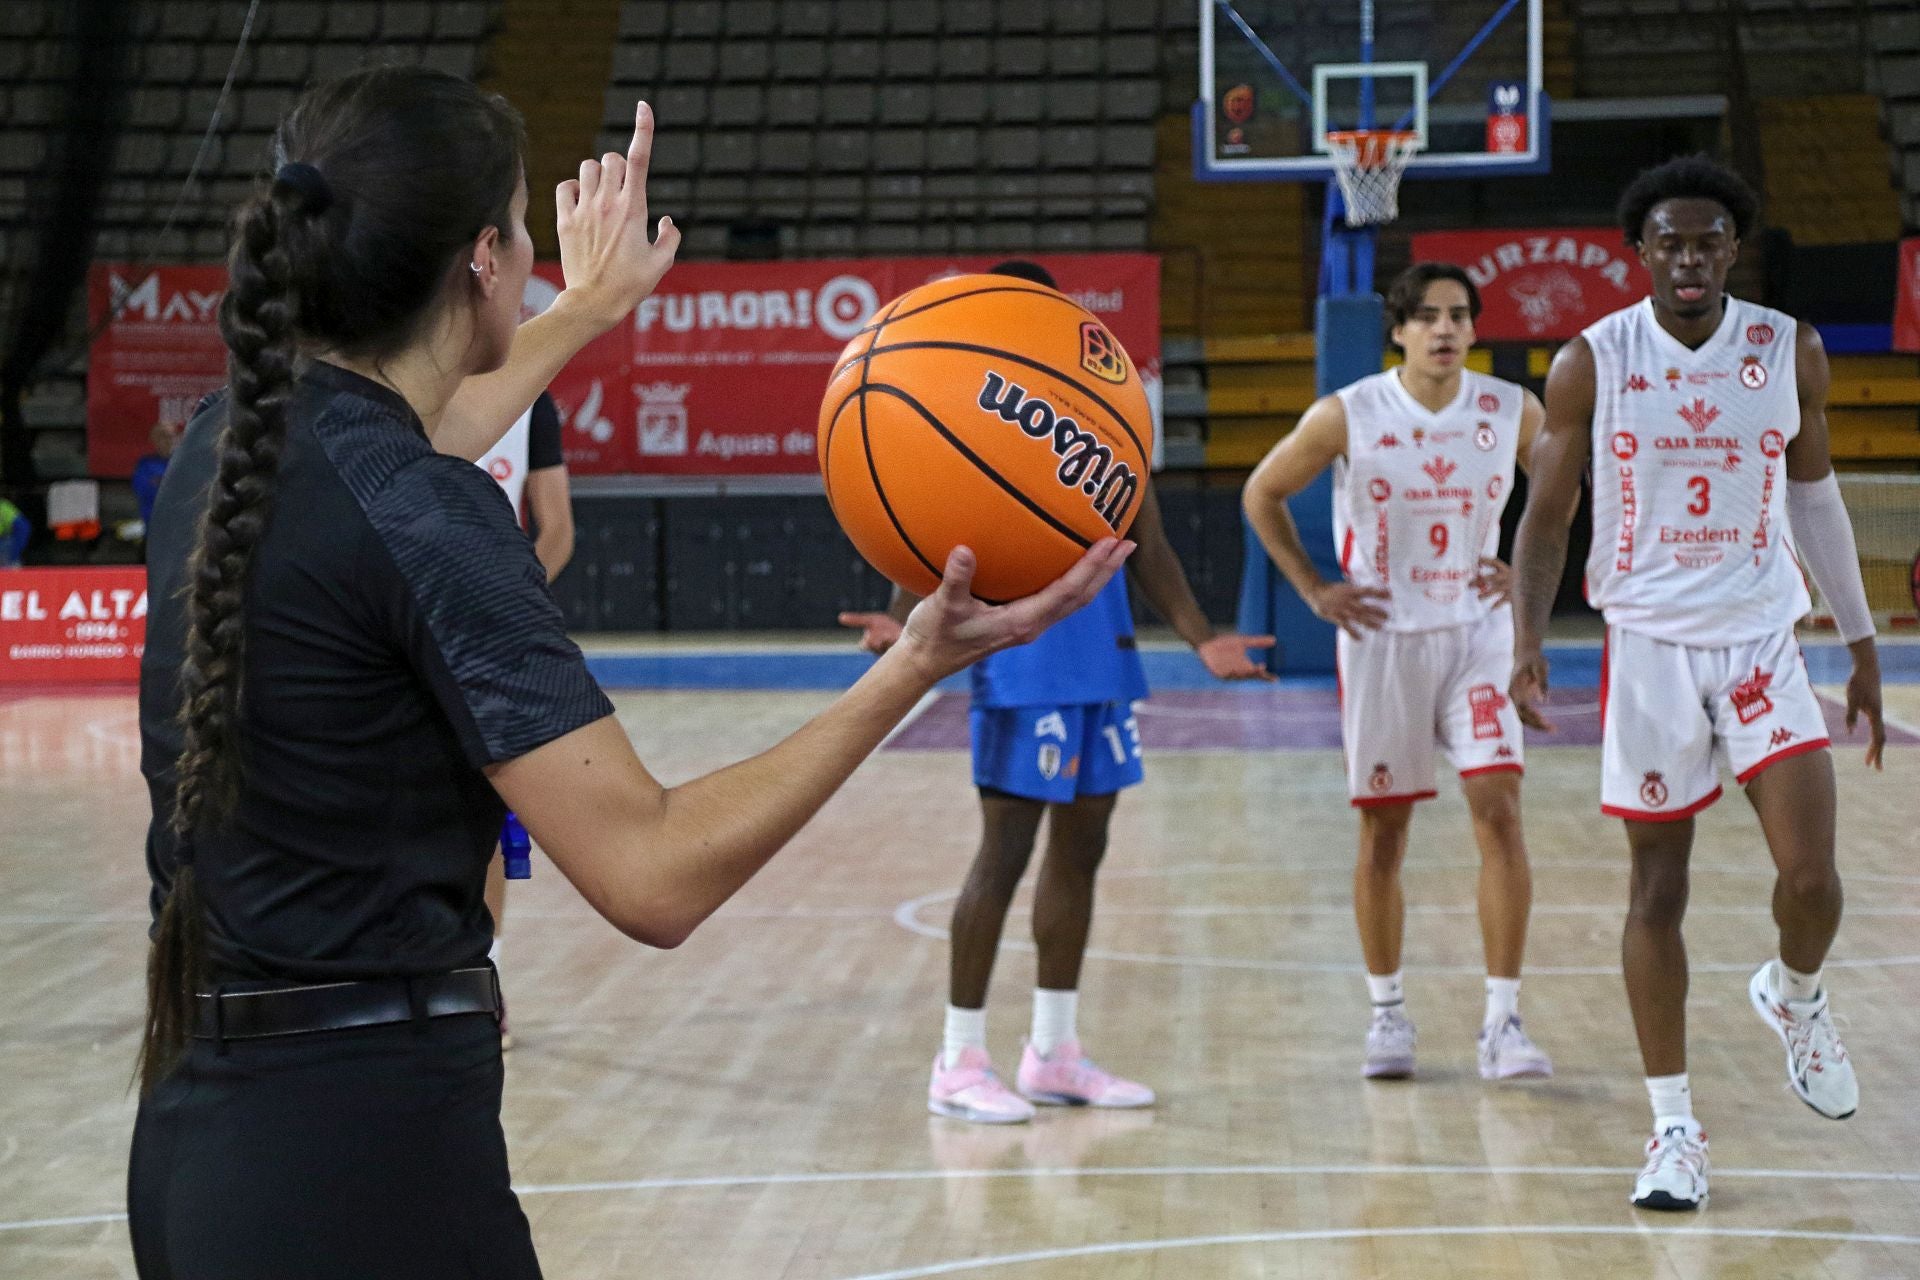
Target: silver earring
474 267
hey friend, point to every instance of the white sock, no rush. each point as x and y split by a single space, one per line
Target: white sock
493 952
966 1029
1053 1015
1672 1102
1384 989
1503 1001
1792 985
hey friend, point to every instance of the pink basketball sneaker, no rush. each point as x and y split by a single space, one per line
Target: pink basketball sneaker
1068 1078
969 1090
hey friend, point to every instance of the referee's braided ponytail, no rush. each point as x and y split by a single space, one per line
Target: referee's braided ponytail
382 180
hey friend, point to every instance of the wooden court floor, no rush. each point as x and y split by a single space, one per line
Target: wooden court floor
752 1105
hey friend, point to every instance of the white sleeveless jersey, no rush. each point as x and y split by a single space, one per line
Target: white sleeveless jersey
1690 540
1418 496
506 462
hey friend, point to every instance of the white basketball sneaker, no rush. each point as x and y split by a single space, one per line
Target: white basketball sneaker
1507 1053
1817 1064
1676 1174
1389 1045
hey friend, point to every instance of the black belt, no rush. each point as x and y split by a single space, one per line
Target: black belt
334 1006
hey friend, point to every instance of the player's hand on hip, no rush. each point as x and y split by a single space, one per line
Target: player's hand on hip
608 259
1494 582
879 632
1528 689
951 629
1357 609
1863 695
1225 657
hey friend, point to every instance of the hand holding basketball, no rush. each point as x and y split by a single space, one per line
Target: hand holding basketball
951 630
608 261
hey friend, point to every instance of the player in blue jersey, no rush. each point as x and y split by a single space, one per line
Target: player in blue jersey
1053 736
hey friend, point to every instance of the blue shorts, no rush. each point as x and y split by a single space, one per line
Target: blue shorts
1054 754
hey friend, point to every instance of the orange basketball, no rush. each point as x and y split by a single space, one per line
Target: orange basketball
989 412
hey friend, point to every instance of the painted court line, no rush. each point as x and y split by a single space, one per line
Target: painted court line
1374 1233
724 1181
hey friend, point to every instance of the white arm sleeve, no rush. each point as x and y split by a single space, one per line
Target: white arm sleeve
1823 535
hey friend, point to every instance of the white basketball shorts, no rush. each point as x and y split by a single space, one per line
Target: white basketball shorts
1404 693
1670 713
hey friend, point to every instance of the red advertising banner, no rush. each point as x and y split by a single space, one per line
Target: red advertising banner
719 374
730 359
154 359
72 626
594 393
1906 303
1544 283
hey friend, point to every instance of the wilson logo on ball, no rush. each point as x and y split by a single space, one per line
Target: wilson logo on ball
1100 355
1085 463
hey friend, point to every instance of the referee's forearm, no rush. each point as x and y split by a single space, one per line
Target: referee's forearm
720 829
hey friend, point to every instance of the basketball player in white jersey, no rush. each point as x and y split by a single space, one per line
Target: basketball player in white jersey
530 466
1704 420
1423 460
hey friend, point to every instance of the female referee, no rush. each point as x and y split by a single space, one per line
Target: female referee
353 668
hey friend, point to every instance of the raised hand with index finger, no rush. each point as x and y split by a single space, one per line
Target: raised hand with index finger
609 260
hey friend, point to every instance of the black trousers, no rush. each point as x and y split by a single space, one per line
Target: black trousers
368 1153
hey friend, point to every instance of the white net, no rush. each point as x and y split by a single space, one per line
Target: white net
1368 163
1886 524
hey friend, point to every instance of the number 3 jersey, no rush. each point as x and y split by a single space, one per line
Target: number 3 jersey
1418 495
1690 478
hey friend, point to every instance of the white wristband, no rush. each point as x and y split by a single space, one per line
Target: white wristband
1823 535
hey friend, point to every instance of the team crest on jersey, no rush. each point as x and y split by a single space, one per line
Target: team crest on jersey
1485 438
1486 703
1439 468
1379 490
1625 445
1750 700
1653 790
1673 379
1387 441
1772 443
1699 415
1637 382
1753 374
1419 435
1049 760
1759 334
1488 402
1381 781
1100 355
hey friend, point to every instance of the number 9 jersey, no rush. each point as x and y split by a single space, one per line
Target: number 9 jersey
1417 496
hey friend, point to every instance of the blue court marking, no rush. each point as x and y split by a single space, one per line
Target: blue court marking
1574 666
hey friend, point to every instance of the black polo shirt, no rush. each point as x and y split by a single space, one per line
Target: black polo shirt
399 638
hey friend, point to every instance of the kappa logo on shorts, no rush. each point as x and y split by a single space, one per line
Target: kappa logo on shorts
1100 355
1781 737
1750 700
1051 725
1486 703
1503 752
1049 760
1381 781
1653 790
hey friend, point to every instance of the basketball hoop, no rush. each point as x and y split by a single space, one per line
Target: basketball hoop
1368 163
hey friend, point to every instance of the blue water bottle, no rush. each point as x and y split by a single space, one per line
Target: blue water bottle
516 848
